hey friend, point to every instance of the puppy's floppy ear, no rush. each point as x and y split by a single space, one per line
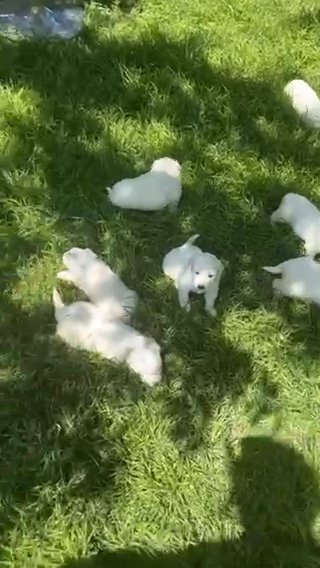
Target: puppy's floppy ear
223 265
208 254
88 254
214 258
220 266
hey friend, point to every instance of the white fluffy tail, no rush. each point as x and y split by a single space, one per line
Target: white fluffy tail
57 302
192 240
273 269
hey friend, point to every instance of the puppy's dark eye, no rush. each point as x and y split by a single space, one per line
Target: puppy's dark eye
210 275
197 273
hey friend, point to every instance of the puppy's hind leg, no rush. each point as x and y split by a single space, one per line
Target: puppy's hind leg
58 304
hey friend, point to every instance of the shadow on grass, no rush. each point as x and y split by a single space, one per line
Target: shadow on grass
277 496
152 78
155 78
308 19
207 370
77 154
302 321
54 427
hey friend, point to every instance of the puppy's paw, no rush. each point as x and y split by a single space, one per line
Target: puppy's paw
212 312
274 218
65 275
187 307
277 295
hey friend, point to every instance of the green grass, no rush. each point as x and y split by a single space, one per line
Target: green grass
220 465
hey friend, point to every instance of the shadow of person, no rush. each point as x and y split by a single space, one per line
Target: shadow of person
277 495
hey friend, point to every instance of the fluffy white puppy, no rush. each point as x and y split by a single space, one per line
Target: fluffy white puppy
305 102
194 271
102 286
156 189
304 219
82 325
297 278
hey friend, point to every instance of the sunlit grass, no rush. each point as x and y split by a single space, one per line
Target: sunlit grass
219 465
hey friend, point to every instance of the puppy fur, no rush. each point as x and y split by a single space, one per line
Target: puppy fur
154 190
305 102
103 287
82 325
194 271
304 219
297 278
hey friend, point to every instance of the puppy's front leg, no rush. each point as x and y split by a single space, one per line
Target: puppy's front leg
277 288
66 275
183 295
276 216
210 298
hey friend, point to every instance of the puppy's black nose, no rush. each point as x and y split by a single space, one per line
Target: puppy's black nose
200 287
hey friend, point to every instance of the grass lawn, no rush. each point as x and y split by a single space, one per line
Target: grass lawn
219 466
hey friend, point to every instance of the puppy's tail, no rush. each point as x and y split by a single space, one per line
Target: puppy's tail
57 302
191 240
273 270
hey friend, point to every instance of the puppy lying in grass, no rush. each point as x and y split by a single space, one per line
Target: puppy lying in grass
154 190
304 219
305 102
83 325
297 278
194 271
102 286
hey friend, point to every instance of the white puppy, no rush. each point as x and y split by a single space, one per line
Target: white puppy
305 102
102 286
82 325
297 278
154 190
304 219
194 271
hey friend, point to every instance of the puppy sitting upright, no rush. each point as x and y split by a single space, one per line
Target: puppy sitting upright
304 218
154 190
194 271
